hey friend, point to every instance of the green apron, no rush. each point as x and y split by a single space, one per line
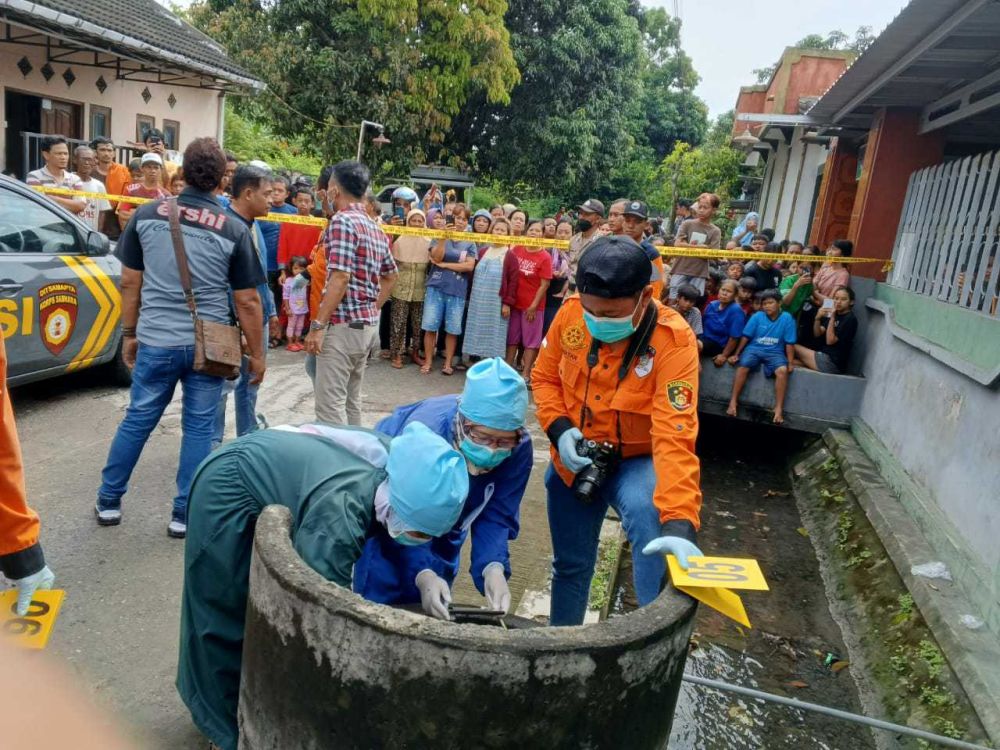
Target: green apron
330 492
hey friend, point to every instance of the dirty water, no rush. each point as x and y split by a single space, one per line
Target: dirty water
795 648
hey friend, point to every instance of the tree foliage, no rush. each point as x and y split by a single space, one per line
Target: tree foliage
328 64
835 40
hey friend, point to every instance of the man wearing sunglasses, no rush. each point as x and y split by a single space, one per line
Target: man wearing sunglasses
485 424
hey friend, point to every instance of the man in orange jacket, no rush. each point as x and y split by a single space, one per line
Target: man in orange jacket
21 557
620 369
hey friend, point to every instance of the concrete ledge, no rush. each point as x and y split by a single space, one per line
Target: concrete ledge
324 668
815 401
974 655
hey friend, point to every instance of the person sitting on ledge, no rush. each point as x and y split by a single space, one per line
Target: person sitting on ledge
834 341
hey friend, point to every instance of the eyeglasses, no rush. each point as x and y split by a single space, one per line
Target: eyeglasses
479 437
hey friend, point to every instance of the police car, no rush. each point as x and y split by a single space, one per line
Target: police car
60 308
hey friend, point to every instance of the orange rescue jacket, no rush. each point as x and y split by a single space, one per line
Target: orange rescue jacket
20 553
654 407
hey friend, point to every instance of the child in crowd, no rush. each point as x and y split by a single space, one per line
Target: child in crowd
696 232
768 340
722 325
712 285
686 304
147 186
744 297
834 330
796 288
177 183
734 270
135 169
296 239
758 298
295 300
527 320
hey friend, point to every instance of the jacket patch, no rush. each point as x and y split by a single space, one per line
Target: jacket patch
573 337
680 393
645 364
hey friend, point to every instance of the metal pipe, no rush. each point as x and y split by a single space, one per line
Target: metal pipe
361 135
885 726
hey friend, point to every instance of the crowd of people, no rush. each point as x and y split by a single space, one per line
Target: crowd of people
607 330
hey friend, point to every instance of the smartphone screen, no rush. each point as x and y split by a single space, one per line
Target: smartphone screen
450 221
827 303
399 212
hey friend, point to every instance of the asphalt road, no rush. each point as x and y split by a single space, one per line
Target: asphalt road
118 628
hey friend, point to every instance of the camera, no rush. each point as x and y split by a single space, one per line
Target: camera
587 483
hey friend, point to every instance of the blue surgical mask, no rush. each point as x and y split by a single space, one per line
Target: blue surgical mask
610 330
483 456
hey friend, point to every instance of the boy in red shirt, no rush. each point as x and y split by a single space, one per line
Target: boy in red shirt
149 186
527 319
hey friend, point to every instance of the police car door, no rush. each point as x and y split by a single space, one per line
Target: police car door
50 297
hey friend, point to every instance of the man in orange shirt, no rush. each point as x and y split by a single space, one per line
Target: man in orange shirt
618 368
115 177
21 557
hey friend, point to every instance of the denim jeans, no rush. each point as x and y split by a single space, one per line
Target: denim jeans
245 399
154 378
576 527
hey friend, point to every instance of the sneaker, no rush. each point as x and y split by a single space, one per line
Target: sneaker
108 514
177 528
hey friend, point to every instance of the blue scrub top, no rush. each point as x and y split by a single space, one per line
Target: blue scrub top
386 571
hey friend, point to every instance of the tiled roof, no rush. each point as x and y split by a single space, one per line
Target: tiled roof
142 26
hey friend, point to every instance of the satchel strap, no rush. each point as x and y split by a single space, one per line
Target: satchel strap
177 236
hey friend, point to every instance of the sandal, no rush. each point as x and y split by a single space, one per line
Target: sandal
425 369
447 371
397 362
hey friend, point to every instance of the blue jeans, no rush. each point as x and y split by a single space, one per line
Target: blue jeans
154 378
576 527
246 405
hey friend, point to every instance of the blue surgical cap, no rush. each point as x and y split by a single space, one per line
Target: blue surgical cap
428 480
495 395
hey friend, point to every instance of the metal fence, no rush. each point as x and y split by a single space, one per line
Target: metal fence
31 150
949 236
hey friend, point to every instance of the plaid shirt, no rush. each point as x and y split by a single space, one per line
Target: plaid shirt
356 245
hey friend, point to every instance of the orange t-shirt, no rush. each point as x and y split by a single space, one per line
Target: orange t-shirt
117 180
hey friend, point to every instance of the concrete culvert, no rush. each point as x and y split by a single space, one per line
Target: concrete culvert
323 668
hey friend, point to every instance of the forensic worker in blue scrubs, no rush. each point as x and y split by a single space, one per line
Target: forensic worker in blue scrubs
341 484
486 424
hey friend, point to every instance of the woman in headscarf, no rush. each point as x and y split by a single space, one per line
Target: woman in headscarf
412 255
494 287
744 233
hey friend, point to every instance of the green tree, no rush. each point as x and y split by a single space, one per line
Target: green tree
835 40
329 64
690 171
571 118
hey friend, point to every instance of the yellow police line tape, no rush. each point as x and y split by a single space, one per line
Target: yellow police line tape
666 252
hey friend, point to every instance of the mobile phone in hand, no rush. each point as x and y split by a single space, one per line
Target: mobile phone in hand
399 212
828 303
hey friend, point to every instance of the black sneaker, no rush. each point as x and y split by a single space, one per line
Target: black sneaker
108 512
178 526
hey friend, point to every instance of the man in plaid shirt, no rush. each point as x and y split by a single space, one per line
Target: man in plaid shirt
360 274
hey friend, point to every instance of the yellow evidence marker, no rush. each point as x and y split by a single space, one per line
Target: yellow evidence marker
31 631
709 580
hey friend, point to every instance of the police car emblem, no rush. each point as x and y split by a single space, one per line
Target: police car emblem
574 337
57 308
680 393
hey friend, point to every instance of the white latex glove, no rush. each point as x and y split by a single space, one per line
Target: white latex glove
677 546
567 450
435 596
496 588
27 586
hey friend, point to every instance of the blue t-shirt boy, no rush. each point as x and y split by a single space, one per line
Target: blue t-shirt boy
767 339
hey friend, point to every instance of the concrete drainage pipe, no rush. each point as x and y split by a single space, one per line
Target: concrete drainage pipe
322 668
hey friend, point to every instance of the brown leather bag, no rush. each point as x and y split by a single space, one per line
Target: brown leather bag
217 346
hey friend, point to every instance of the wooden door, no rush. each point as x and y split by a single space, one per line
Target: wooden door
62 118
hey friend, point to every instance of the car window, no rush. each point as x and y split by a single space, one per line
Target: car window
27 226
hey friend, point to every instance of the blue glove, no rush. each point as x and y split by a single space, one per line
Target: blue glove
567 450
27 586
299 281
677 546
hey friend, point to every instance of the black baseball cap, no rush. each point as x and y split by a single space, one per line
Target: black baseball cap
592 206
636 208
612 266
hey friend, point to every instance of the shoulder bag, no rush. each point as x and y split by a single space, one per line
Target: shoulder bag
217 346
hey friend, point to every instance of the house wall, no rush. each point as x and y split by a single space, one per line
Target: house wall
929 420
810 76
197 110
790 217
